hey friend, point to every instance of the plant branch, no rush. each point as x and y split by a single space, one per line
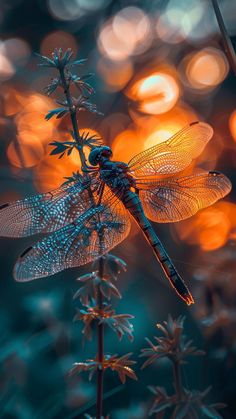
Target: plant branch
73 117
100 336
177 380
228 46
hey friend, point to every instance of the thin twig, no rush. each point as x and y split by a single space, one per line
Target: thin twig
228 46
73 117
177 380
100 336
100 327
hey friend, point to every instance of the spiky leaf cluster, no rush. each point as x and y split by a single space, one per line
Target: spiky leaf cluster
63 62
94 313
88 291
119 323
70 105
183 403
172 345
192 404
121 365
66 147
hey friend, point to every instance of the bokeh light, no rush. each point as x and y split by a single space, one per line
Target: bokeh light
31 118
52 171
7 69
128 33
115 74
25 151
146 131
232 124
70 10
211 228
14 53
17 50
126 145
157 93
206 68
55 38
181 20
67 10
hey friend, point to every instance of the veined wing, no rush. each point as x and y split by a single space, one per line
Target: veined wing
92 234
46 212
173 155
175 199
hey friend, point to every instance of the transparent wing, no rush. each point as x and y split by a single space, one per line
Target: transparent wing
94 233
46 212
173 155
171 200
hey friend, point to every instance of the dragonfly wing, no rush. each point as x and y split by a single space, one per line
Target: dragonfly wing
173 155
45 212
93 234
175 199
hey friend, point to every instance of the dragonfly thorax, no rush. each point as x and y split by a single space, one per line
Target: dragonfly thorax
116 175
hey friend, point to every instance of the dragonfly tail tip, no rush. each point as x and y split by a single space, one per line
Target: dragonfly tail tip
189 300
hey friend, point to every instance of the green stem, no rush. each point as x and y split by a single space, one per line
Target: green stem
228 46
100 356
73 117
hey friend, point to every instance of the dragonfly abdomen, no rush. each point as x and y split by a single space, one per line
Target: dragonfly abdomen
134 206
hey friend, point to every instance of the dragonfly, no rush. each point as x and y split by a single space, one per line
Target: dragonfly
89 215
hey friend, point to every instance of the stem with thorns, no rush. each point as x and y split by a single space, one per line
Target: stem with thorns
66 88
228 46
100 336
100 327
177 379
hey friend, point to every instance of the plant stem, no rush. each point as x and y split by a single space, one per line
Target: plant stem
177 379
228 46
100 356
73 117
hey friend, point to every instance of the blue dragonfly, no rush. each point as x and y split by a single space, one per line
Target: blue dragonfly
91 214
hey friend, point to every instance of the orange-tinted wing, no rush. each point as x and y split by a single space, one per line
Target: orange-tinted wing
92 234
46 212
173 155
175 199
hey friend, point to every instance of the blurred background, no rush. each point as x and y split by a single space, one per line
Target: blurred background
157 66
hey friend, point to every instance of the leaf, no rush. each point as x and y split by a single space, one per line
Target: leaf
78 62
46 62
181 411
108 289
87 292
51 87
115 265
160 391
58 112
67 56
122 367
59 147
78 367
119 323
218 405
160 407
210 412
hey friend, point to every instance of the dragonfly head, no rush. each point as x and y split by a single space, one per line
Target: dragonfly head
98 153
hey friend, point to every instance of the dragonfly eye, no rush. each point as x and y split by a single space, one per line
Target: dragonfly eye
106 152
98 152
